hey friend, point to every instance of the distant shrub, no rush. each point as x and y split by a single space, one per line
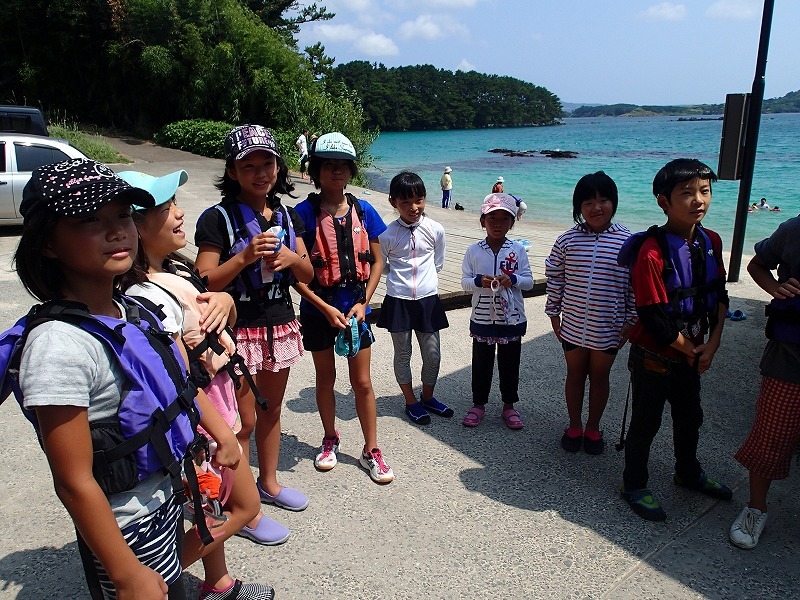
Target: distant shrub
198 136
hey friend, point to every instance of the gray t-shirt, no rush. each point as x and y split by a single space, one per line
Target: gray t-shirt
781 251
63 365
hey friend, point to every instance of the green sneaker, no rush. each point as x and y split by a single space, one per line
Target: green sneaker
643 504
705 485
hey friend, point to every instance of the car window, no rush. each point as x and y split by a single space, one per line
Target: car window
31 157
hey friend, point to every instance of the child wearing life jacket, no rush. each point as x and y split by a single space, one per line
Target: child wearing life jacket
413 249
96 370
198 319
767 452
251 245
342 233
678 281
590 305
496 270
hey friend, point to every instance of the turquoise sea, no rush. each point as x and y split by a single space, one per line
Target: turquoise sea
630 150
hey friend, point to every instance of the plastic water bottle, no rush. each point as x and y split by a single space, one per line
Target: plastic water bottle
268 275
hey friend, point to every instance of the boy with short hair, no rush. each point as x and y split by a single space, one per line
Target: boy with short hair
679 283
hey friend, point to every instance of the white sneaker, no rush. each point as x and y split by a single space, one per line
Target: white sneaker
326 459
747 527
379 471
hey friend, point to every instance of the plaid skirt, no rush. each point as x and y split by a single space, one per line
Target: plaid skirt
269 348
776 430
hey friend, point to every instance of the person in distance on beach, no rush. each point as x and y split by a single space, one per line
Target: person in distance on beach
334 307
497 188
413 249
446 183
496 270
678 280
767 452
590 304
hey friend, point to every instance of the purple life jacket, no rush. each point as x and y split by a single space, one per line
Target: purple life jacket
155 425
691 288
243 224
783 320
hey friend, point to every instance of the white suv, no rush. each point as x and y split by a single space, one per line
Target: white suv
19 156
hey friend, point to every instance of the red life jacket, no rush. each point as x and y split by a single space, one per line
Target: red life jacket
341 250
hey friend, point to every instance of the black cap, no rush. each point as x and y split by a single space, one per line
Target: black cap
76 188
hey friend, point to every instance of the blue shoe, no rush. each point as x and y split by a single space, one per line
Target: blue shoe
266 533
705 485
436 407
643 504
287 498
417 413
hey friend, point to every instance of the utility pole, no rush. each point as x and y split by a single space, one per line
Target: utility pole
751 141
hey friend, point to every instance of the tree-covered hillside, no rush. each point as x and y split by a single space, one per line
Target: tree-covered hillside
788 103
139 64
424 97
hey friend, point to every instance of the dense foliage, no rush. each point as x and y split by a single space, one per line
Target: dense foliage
140 64
788 103
424 97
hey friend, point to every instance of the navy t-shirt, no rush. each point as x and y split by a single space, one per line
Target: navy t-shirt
374 225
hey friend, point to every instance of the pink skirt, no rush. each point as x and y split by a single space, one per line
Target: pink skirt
253 343
221 393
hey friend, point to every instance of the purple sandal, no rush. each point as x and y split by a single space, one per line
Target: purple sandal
513 419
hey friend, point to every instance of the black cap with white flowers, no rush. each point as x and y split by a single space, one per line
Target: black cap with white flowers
76 188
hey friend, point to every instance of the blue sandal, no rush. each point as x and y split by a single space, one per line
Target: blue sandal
738 315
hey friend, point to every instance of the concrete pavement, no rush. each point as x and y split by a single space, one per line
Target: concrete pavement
473 513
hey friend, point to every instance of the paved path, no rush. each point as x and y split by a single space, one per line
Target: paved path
486 513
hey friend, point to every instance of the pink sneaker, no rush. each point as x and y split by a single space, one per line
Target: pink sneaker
379 471
326 459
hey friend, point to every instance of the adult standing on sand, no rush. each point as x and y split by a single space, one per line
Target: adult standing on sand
447 187
302 146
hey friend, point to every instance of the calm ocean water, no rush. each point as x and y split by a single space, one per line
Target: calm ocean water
630 150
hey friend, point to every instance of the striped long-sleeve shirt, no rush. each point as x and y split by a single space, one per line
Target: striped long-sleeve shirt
587 287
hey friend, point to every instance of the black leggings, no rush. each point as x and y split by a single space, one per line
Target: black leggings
508 357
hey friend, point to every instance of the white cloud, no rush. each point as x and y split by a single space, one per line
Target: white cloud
327 32
376 44
666 11
465 66
422 27
742 10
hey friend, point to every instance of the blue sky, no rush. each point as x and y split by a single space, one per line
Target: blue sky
600 51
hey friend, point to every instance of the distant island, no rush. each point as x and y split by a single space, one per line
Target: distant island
790 103
422 97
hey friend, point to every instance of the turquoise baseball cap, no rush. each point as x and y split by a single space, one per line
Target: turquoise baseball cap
161 188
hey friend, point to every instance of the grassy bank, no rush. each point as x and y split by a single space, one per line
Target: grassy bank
91 144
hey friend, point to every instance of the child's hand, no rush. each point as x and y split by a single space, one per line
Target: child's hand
555 322
624 333
282 259
259 246
704 354
788 289
216 312
228 453
335 317
486 281
359 310
143 584
505 281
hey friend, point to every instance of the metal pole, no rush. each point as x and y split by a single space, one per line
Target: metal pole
751 141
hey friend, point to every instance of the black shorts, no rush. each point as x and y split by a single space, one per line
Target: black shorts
318 334
569 346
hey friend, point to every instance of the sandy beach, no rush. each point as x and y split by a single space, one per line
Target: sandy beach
483 513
